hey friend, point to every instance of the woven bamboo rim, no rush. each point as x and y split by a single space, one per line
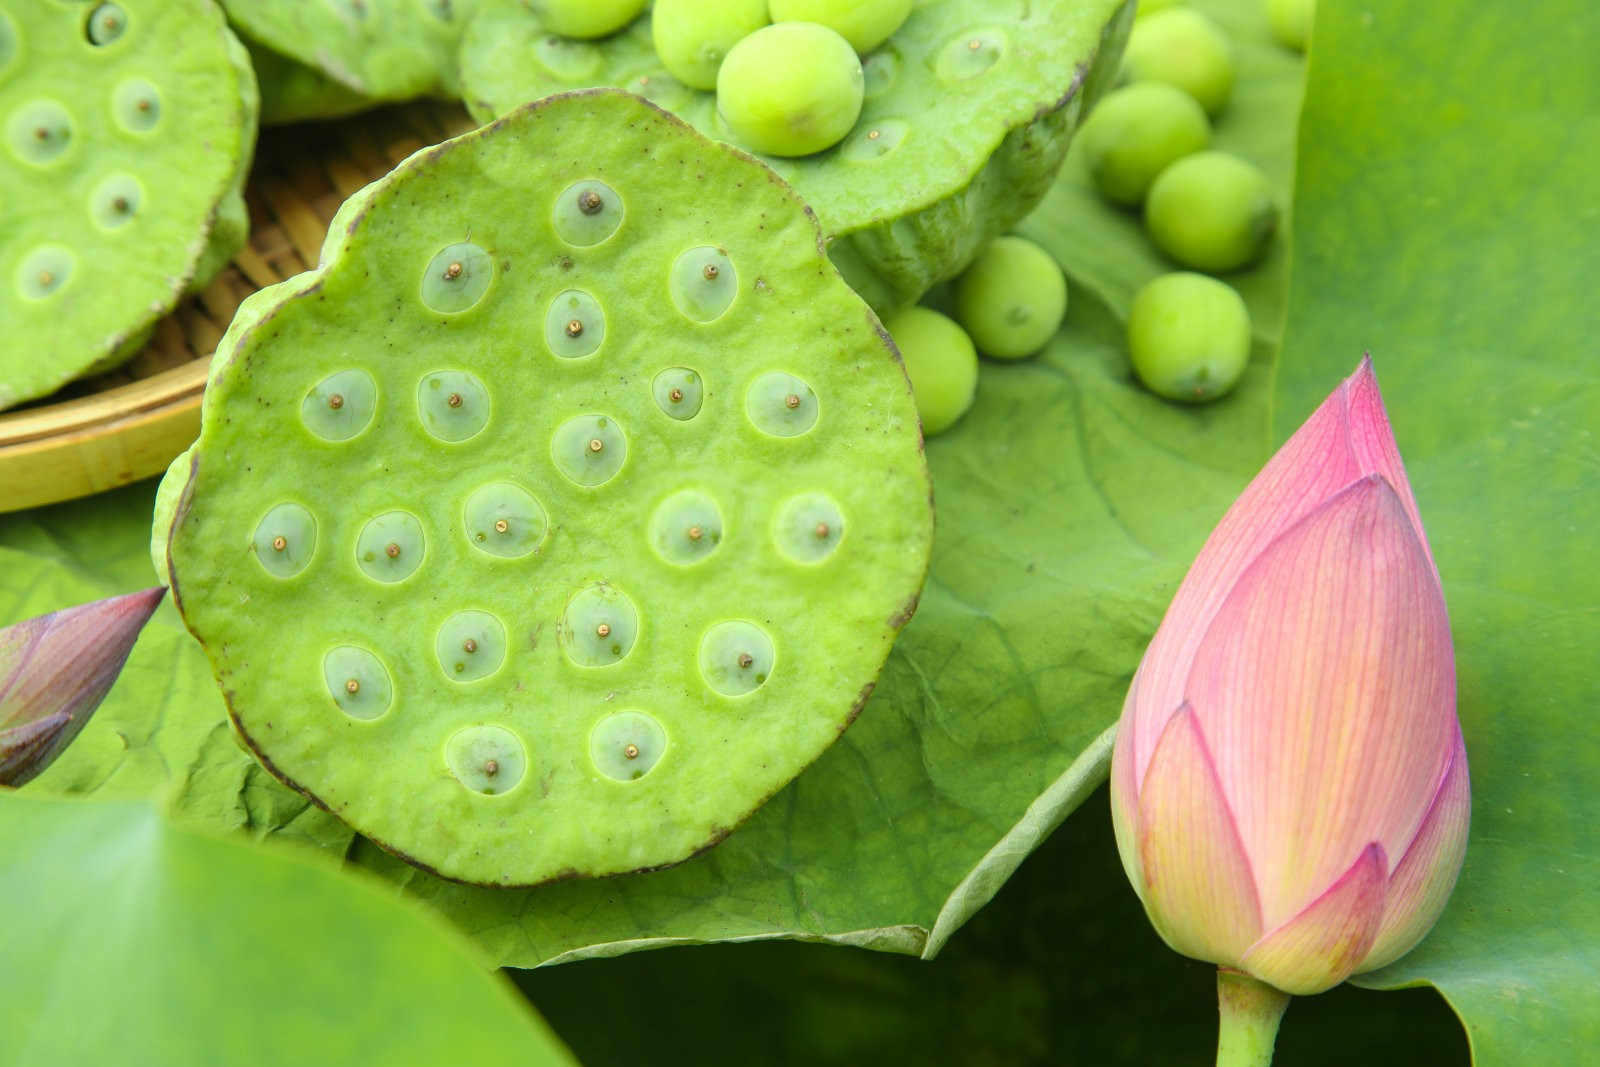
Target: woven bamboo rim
131 423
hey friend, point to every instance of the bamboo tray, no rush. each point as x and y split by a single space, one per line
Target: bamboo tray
130 424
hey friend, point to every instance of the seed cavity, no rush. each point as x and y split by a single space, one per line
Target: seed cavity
587 213
686 527
971 54
504 520
358 682
106 24
115 201
627 746
470 646
486 759
876 142
391 547
340 406
456 278
285 539
736 658
40 132
880 71
453 405
589 450
678 392
781 404
136 106
808 527
599 626
45 271
703 283
575 325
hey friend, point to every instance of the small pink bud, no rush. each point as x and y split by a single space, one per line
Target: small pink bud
54 671
1289 784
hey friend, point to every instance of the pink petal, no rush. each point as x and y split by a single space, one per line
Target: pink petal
1326 689
1347 438
1198 888
1125 800
1322 945
1422 882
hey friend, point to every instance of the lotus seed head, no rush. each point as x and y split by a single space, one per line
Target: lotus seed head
336 401
491 767
501 526
453 271
596 445
352 686
469 646
710 271
575 328
454 400
745 659
603 630
791 401
280 543
589 201
631 751
392 550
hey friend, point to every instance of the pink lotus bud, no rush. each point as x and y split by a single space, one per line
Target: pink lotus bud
54 671
1289 785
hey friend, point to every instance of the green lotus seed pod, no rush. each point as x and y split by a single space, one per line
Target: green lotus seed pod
1211 211
864 23
519 611
692 37
1135 133
967 112
588 18
941 363
1188 337
790 89
1291 21
1012 299
125 133
1182 47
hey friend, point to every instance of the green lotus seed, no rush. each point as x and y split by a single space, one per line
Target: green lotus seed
968 55
692 37
136 103
864 23
456 278
587 213
470 646
791 89
504 520
45 271
115 201
736 658
599 627
1188 337
589 450
703 283
808 527
284 540
686 527
626 746
486 759
1211 211
106 24
453 405
341 405
1183 48
587 18
1135 133
574 325
1291 21
1012 299
358 682
678 392
40 132
940 361
391 547
781 404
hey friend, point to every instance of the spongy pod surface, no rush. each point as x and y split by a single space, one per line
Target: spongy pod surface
127 130
531 532
968 109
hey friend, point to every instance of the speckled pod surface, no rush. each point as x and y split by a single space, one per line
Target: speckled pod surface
969 109
565 512
128 128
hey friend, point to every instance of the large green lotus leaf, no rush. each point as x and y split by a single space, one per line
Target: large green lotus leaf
131 936
1448 221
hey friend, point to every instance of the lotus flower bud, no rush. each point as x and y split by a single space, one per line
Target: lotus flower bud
1289 783
54 671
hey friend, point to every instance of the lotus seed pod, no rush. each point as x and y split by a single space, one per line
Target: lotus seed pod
1135 133
865 25
334 57
941 363
1188 337
1291 21
1182 47
588 18
790 89
1012 299
1211 211
692 37
127 129
966 115
597 602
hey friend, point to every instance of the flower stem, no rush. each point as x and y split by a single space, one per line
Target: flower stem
1250 1012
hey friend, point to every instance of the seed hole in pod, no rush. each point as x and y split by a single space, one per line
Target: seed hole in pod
456 278
736 657
453 405
880 71
678 392
136 105
874 140
106 23
115 201
703 283
341 405
971 54
808 527
599 626
587 212
285 539
45 271
686 527
40 132
486 759
626 746
470 645
358 682
567 59
391 546
781 404
575 324
589 449
503 519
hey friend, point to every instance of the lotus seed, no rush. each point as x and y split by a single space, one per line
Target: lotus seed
1135 133
1211 211
589 449
695 533
678 392
703 283
692 37
941 363
452 272
106 24
390 546
686 527
745 660
294 526
808 527
587 212
575 328
340 406
1012 299
864 23
452 405
1291 21
491 767
501 526
135 103
454 400
676 395
596 445
336 401
1184 48
710 272
599 626
588 18
503 520
631 751
489 760
968 57
627 746
781 405
469 646
279 543
352 686
457 277
575 325
603 630
589 202
791 401
392 550
791 89
822 531
358 682
736 658
1188 337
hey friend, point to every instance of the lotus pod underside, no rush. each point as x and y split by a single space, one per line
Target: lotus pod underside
325 58
969 108
128 130
565 512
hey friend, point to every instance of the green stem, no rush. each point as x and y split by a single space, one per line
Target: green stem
1250 1012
